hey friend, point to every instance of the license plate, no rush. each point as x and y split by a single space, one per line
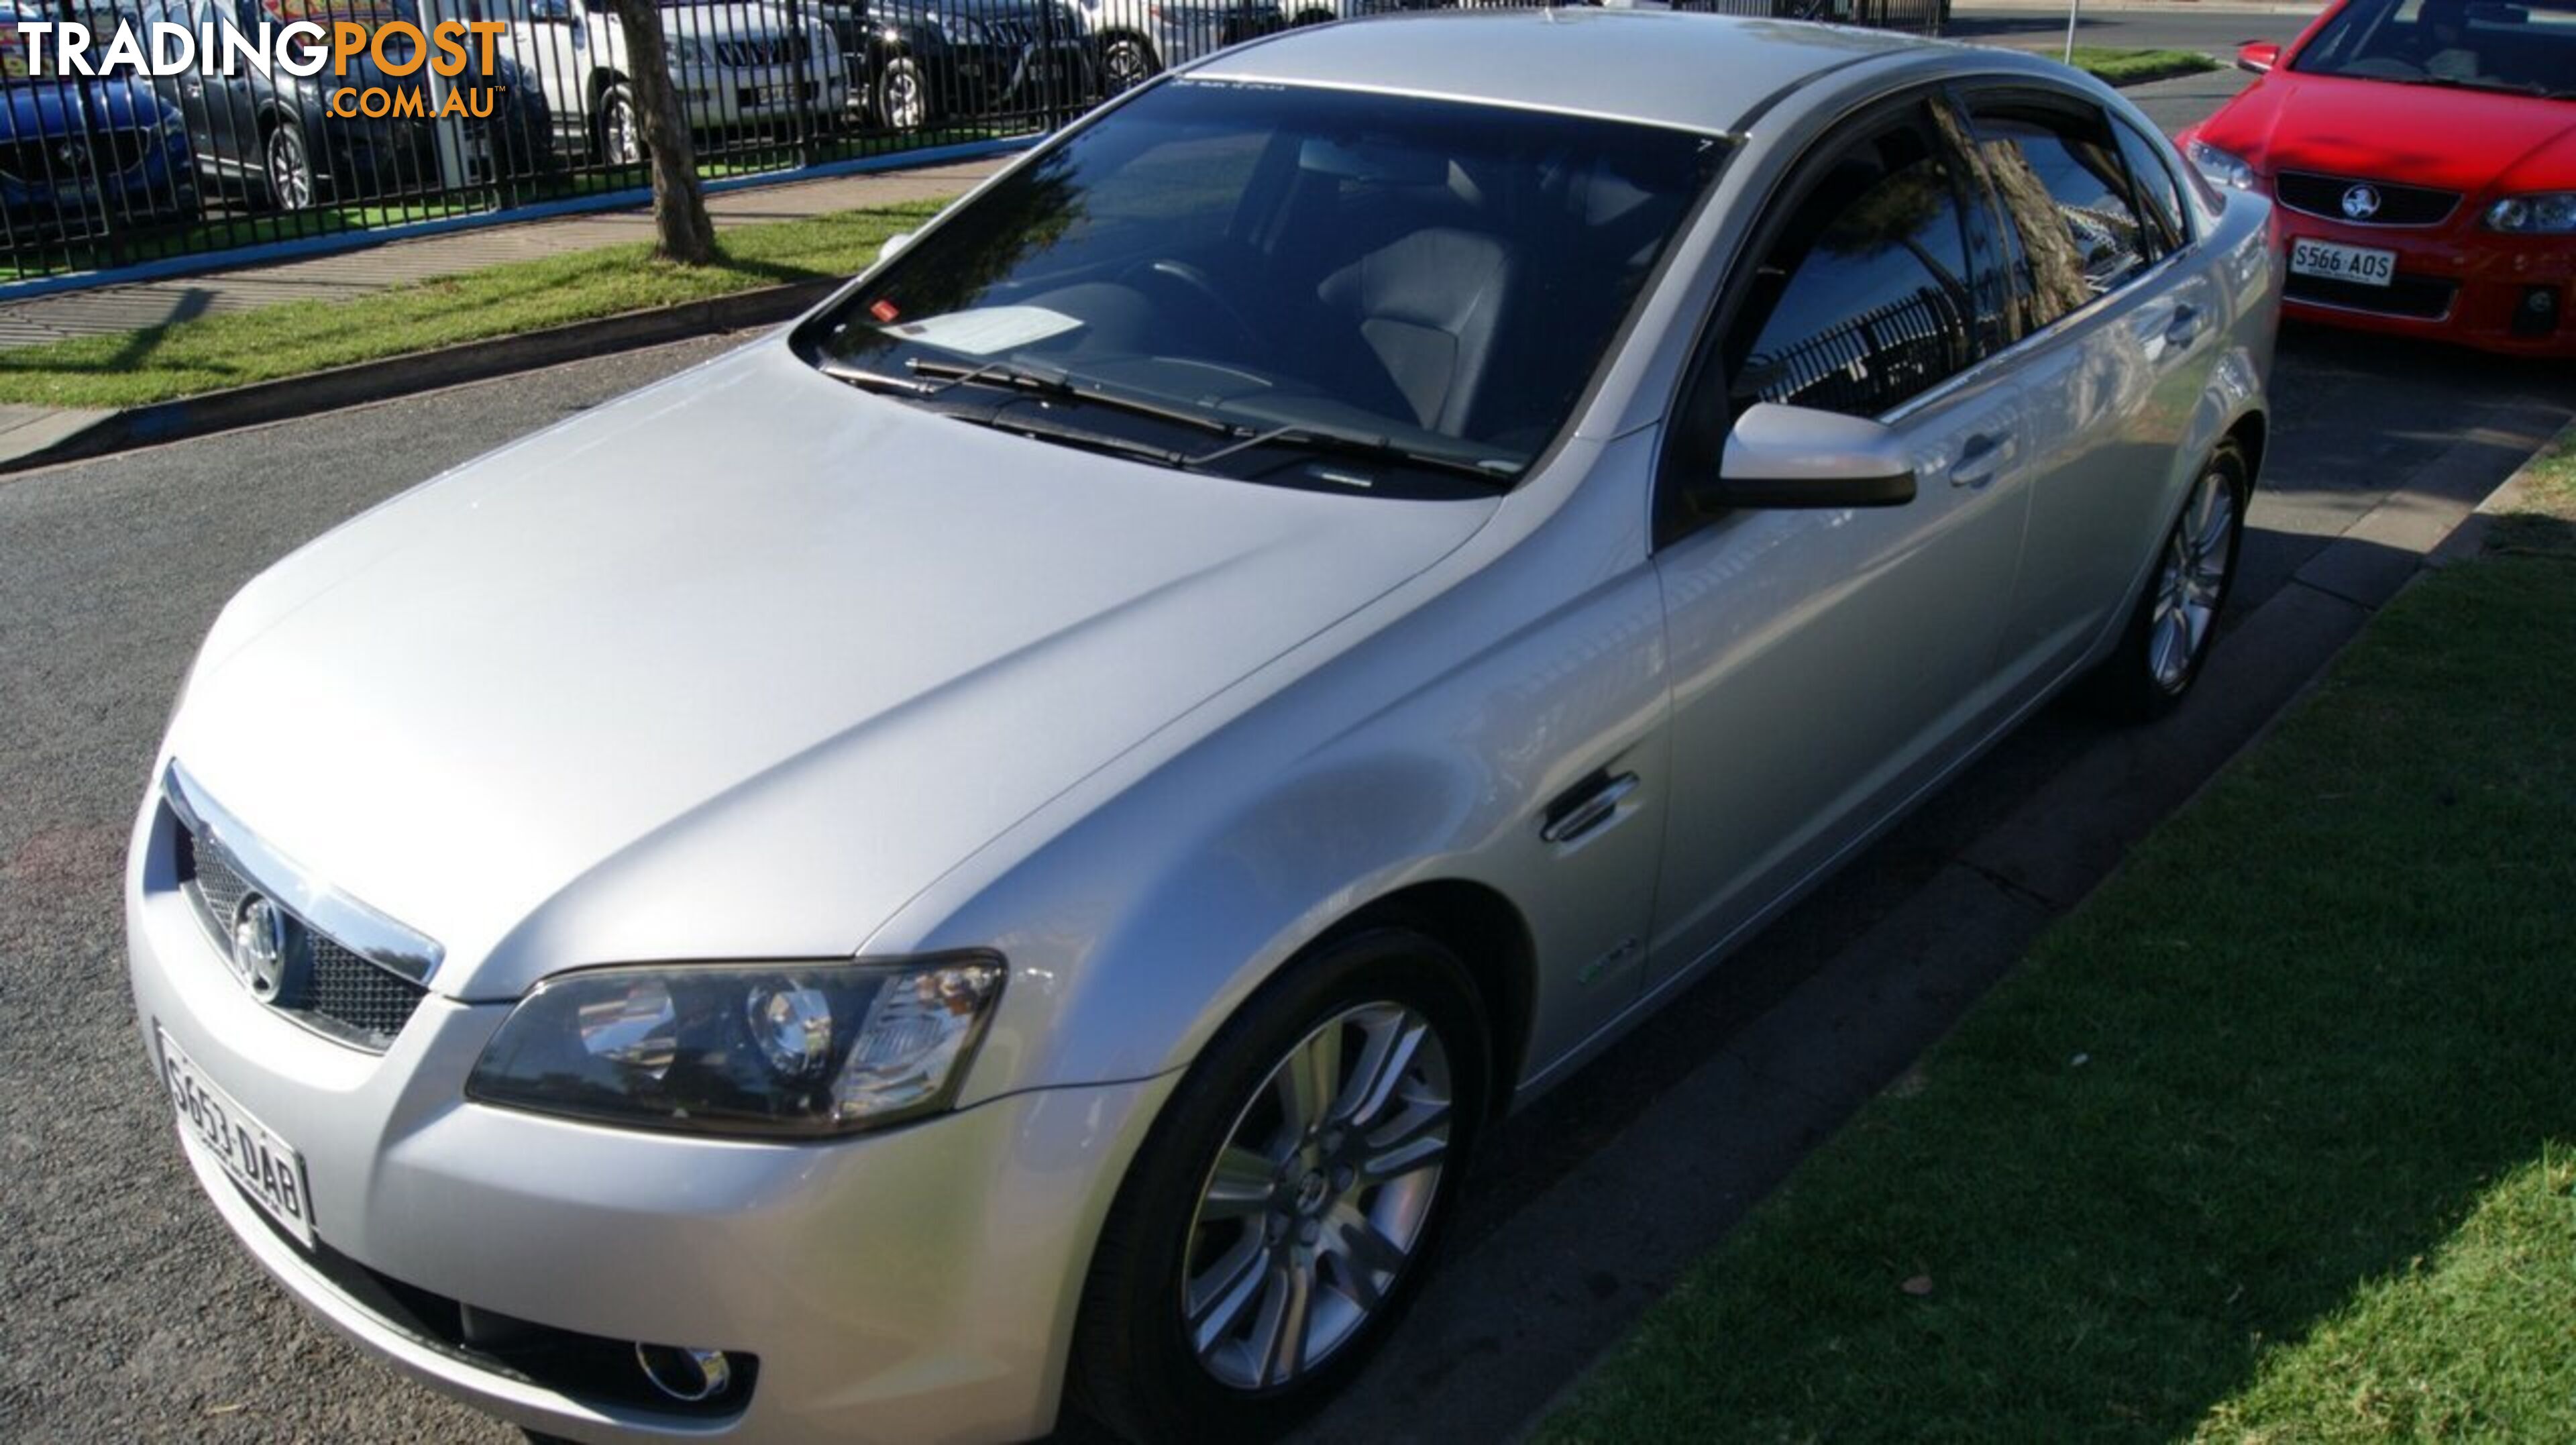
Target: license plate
266 1166
2360 264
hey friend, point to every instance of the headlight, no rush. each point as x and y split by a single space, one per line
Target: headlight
779 1049
2223 168
961 29
2540 213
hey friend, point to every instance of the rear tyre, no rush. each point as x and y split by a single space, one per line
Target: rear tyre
1287 1205
2168 639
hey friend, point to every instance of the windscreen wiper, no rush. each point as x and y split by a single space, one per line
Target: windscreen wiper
1025 423
1324 437
866 380
1055 385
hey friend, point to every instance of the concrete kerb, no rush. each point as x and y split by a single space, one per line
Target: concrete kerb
288 398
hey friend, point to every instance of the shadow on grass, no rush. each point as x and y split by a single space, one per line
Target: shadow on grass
2531 534
2263 1075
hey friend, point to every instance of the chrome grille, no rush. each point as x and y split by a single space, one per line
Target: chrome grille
2398 205
327 987
764 50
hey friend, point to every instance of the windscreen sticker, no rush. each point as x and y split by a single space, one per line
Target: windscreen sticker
986 330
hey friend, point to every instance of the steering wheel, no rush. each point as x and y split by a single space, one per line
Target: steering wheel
1200 285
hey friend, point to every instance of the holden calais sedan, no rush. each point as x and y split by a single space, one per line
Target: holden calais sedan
2424 159
1003 847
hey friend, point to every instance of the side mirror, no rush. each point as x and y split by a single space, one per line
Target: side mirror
1792 456
2258 56
893 244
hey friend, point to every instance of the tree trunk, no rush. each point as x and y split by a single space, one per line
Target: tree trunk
681 230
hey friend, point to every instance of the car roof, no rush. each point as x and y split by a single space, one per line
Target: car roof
1711 73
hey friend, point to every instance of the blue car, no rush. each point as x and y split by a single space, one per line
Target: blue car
82 158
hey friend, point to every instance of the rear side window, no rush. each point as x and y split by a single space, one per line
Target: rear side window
2065 190
2158 193
1867 299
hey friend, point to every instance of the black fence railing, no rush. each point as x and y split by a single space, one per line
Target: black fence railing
106 171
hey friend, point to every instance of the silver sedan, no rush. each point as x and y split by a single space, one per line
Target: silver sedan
1000 847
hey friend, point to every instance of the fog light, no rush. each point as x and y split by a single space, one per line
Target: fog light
684 1374
2538 313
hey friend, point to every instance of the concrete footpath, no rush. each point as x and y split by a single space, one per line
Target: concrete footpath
30 434
350 274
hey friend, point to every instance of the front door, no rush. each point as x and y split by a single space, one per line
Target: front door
1828 664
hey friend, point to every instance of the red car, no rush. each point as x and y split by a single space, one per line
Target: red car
2423 154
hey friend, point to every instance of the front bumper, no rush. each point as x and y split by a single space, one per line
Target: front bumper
914 1285
729 97
2456 282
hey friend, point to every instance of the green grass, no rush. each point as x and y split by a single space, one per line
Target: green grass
2543 516
2115 66
299 337
2273 1139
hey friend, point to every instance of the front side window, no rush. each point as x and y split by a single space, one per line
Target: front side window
1438 278
1867 298
2062 184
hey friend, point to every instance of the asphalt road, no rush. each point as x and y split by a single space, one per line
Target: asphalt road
130 1313
2213 31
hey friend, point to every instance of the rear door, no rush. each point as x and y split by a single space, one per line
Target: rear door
1828 664
2122 335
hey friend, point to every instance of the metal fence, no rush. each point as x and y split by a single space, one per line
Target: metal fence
97 173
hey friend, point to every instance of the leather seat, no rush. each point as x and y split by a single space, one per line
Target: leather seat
1426 308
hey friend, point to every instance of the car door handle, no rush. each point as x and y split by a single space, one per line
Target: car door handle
2184 326
1586 808
1980 458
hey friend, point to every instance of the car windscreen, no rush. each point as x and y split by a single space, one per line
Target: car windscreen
1438 276
2464 44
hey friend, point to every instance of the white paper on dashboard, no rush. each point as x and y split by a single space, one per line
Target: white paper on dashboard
988 329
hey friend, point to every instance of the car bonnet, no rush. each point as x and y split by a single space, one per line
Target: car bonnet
734 667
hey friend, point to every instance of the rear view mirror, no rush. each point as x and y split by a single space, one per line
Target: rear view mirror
893 244
1791 456
2258 56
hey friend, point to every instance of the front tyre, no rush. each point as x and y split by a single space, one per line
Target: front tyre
286 163
1125 63
1286 1207
903 96
621 129
2159 657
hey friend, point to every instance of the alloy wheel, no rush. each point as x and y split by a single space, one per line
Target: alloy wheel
1126 64
1319 1196
905 104
2198 558
290 170
621 138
